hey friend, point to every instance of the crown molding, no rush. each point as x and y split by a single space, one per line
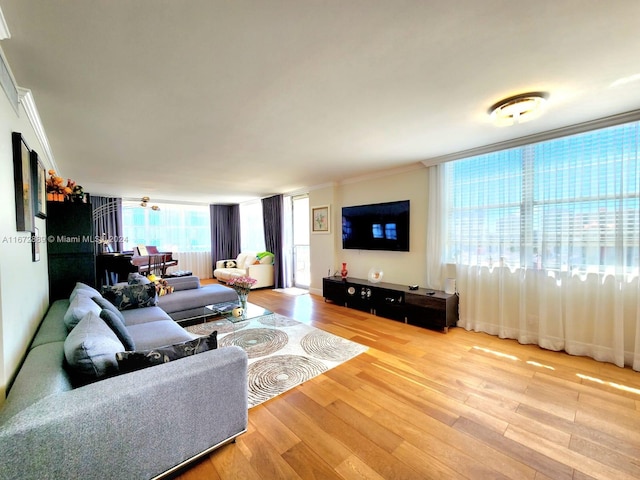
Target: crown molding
28 103
4 28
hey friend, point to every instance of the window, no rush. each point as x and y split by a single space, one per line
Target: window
251 227
174 228
563 204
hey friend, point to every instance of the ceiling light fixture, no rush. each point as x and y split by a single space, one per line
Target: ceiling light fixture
518 109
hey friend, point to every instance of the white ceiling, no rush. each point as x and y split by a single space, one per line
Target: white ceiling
222 101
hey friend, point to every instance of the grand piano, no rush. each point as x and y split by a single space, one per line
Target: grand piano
112 268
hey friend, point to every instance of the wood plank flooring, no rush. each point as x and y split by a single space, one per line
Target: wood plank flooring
421 404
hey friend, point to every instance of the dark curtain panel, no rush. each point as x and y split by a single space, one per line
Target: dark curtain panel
225 232
272 211
107 223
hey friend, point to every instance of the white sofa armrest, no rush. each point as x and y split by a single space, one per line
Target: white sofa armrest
262 273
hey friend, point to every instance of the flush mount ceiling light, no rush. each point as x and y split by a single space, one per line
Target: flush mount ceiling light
519 108
145 200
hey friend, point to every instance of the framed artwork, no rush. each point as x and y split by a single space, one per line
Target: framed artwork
35 245
39 179
22 184
320 219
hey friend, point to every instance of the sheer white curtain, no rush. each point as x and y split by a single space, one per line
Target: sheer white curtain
545 242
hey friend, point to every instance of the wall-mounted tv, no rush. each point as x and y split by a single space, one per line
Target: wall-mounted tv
380 226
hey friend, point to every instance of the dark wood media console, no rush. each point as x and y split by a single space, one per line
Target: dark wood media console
416 307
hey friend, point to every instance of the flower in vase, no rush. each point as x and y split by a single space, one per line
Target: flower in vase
242 285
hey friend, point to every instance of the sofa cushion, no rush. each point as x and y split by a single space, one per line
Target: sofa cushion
230 264
130 361
78 309
157 334
125 296
116 324
198 297
83 288
136 316
90 348
244 260
188 282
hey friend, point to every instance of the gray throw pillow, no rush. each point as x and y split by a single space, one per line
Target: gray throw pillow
105 304
78 309
118 328
135 278
90 348
83 288
130 361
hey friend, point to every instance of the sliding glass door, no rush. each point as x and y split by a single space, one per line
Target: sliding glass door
300 236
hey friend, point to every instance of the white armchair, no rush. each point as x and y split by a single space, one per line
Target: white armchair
248 265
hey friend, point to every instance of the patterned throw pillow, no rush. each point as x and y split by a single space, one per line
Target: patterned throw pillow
230 264
130 361
125 296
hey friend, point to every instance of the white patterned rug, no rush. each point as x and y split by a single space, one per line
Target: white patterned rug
283 352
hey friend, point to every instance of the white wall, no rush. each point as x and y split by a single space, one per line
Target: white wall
404 268
24 285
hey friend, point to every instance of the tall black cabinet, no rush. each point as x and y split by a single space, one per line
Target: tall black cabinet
70 247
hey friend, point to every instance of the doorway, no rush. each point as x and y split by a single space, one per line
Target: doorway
300 237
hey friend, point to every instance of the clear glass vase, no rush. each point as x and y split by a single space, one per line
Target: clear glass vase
242 296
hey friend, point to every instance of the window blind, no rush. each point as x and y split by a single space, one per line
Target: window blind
571 203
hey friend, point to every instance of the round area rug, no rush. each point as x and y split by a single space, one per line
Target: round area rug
271 376
257 342
325 346
278 321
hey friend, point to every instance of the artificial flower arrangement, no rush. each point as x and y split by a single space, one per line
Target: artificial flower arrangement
57 190
242 285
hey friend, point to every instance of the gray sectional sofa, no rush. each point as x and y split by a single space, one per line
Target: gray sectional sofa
72 414
189 297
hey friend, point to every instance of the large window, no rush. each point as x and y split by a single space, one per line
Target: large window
174 227
251 227
566 204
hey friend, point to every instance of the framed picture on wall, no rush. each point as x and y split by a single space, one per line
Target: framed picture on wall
39 179
321 219
22 184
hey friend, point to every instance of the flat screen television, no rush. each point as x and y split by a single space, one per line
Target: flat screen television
380 226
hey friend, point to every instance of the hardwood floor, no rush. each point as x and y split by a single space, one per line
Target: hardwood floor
420 404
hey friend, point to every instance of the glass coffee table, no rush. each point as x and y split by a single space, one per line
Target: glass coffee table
220 317
227 312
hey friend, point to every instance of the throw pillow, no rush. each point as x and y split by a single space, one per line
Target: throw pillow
117 326
83 288
135 278
130 361
125 296
90 348
230 264
103 303
78 309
